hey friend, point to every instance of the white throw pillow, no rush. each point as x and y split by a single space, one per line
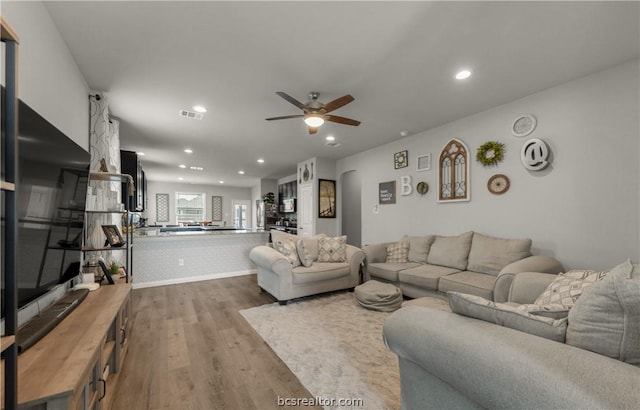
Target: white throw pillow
287 248
332 249
303 253
398 253
567 287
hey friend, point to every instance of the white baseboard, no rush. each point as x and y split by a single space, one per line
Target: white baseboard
193 279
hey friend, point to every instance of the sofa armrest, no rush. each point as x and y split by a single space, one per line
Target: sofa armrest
270 259
448 359
536 263
355 258
527 286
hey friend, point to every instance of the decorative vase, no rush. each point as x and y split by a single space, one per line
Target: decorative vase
96 238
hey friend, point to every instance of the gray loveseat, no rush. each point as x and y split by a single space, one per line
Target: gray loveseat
469 263
283 280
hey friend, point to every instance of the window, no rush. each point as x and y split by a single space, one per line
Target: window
454 172
190 207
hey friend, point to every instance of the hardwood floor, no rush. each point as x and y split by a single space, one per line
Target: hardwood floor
191 349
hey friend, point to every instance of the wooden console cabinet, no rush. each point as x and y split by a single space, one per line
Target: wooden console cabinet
76 365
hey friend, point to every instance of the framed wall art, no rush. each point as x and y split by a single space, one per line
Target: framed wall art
387 192
326 198
162 207
216 208
305 172
453 172
401 159
113 235
423 162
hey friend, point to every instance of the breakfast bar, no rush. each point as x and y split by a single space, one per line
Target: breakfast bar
164 256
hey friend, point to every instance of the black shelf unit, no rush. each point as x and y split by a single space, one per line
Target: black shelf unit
9 203
126 181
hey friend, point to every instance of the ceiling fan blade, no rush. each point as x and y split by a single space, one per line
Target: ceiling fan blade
337 103
341 120
285 117
313 130
291 100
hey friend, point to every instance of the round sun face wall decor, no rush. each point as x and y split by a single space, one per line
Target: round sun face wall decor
523 125
490 153
498 184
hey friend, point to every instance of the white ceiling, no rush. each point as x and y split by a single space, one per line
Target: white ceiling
397 59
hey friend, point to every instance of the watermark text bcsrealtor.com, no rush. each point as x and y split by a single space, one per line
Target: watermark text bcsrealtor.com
321 401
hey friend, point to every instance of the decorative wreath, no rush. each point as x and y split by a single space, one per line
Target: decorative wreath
490 153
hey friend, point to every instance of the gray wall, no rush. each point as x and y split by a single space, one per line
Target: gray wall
583 209
50 82
227 194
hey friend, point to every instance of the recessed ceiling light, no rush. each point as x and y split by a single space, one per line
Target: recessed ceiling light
260 160
182 166
180 178
461 75
188 150
222 182
241 172
330 138
199 108
140 153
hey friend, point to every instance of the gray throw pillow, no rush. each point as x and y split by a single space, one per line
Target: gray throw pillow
507 316
303 252
418 247
489 255
606 318
451 251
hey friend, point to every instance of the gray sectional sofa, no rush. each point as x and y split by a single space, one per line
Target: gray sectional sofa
470 263
453 361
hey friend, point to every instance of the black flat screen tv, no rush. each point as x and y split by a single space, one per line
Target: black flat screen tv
51 190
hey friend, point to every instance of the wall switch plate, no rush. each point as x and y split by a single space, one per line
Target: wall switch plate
180 262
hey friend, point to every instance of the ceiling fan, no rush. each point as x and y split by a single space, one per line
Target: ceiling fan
316 113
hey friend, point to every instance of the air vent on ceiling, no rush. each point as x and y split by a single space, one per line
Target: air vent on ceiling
333 144
191 114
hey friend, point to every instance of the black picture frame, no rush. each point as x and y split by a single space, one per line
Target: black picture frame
114 238
387 192
326 198
105 272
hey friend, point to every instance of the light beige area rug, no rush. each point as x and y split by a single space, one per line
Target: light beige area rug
334 347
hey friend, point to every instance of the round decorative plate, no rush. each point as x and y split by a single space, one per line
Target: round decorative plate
523 125
422 188
498 184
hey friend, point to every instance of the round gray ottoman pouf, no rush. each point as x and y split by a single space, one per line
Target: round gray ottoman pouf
375 295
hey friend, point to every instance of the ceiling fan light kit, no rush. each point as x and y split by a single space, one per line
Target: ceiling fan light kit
315 113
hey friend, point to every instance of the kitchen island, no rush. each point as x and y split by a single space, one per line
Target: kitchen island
165 256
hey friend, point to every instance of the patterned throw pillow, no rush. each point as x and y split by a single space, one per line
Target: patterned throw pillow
332 249
552 311
287 247
303 253
398 253
567 287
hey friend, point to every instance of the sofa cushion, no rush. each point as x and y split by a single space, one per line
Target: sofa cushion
320 271
567 287
507 316
304 253
425 276
398 253
606 318
388 271
418 247
450 251
489 255
287 247
332 249
473 283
